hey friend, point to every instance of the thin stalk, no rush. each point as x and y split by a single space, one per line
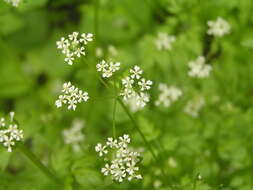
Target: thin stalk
114 113
38 163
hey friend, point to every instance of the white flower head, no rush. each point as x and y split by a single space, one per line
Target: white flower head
164 41
198 68
74 46
71 96
14 3
194 106
107 69
9 132
74 135
135 88
122 160
219 27
168 95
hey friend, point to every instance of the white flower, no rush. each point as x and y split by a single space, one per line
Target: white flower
14 3
102 66
101 149
168 94
2 122
145 85
9 133
198 68
107 69
124 141
123 161
219 27
114 66
132 103
130 88
112 143
106 170
74 135
136 72
142 99
86 38
71 96
69 59
164 41
79 51
8 142
127 82
74 46
194 106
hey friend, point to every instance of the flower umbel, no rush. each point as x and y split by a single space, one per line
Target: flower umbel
168 95
122 161
164 41
71 96
194 106
107 69
9 133
74 135
135 87
14 3
219 27
198 68
74 46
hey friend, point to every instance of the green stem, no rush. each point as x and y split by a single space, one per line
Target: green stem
38 163
114 113
137 127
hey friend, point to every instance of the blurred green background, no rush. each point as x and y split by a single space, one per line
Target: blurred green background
217 145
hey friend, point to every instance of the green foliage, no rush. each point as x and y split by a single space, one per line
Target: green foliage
217 145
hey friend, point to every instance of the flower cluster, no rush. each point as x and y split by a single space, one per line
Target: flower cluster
74 135
14 3
168 94
219 27
133 104
107 69
136 86
9 133
123 162
164 41
194 106
74 46
198 68
71 96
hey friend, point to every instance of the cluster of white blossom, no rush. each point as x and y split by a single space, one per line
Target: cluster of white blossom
14 3
168 95
71 96
133 104
107 69
9 132
198 68
219 27
136 86
194 106
74 136
74 46
122 160
164 41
